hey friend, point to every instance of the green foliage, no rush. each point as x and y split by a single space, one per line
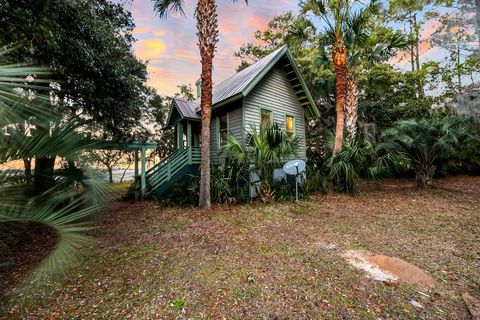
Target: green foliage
353 162
467 159
316 181
66 207
177 193
88 47
265 150
177 304
426 143
390 96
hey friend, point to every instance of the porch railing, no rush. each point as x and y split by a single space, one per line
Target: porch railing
167 168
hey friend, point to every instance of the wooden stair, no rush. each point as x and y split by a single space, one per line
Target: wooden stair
172 168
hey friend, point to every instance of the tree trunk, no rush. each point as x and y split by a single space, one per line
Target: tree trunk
459 71
207 26
43 176
412 46
417 41
477 17
339 55
110 174
424 175
27 165
351 106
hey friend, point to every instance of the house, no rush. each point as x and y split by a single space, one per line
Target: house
270 90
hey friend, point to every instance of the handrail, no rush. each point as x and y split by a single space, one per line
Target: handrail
162 161
168 167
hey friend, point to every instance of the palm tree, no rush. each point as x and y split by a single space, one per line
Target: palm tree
340 20
207 26
425 143
364 51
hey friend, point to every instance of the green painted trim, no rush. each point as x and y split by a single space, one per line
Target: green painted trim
140 145
189 134
164 171
265 70
272 119
227 101
313 107
135 157
180 135
144 176
170 112
242 133
217 130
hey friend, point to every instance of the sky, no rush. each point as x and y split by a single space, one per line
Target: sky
170 45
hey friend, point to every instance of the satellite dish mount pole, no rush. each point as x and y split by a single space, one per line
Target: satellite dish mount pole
296 185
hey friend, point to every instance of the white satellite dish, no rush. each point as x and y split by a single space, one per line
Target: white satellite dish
295 168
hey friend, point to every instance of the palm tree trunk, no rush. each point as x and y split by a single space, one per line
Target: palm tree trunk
43 176
27 165
339 55
351 106
207 26
424 175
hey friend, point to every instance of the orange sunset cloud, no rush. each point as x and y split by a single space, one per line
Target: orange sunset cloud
149 49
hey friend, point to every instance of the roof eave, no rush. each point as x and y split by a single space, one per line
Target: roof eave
228 100
265 70
175 105
172 105
312 113
312 107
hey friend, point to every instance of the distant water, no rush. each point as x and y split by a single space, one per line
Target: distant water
116 174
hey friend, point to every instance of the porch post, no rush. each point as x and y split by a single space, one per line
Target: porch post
180 135
143 178
135 157
196 141
135 174
189 134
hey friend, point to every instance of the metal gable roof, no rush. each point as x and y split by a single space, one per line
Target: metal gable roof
188 109
241 83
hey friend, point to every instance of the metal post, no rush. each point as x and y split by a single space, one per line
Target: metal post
296 185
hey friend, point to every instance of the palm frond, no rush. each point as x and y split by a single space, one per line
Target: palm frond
164 7
64 208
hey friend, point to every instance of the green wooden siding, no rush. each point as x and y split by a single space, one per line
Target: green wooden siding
235 123
235 127
275 93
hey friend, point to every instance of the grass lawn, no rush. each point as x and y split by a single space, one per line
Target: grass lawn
273 261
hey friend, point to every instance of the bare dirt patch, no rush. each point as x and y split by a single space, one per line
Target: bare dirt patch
388 269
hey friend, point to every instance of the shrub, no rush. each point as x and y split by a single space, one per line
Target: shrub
265 150
354 161
424 144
